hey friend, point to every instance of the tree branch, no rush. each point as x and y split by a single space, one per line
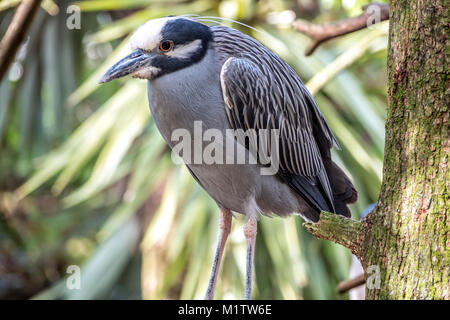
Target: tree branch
16 32
319 33
345 286
344 231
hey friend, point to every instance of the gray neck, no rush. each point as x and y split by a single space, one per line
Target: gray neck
190 94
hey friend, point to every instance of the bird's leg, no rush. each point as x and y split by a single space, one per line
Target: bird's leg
224 230
250 229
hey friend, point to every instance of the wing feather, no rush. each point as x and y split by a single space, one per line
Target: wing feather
254 100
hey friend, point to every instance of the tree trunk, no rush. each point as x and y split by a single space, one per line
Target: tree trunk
403 244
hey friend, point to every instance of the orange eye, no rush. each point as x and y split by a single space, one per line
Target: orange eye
166 45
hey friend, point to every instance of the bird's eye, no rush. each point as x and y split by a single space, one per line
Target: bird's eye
166 46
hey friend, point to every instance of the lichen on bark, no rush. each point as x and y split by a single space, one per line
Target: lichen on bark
344 231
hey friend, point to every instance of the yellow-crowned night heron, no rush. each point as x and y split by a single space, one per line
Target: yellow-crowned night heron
224 79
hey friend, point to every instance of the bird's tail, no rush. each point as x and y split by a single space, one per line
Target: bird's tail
344 192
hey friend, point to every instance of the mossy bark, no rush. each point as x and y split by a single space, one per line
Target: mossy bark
408 230
404 241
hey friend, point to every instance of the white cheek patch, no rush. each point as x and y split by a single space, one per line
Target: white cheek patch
146 73
185 51
148 36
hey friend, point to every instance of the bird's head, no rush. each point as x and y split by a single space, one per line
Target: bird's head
162 46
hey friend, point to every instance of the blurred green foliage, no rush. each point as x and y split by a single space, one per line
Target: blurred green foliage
86 179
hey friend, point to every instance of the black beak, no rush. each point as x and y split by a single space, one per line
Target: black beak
131 63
